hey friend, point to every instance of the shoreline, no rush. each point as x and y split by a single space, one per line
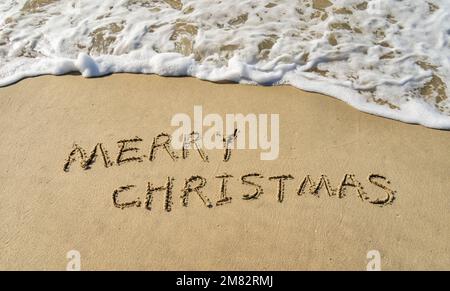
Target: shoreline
47 211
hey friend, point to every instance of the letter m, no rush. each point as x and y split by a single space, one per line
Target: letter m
86 161
264 281
314 188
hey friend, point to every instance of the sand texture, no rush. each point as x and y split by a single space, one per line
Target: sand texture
49 207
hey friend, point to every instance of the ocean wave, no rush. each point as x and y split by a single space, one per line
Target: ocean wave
386 57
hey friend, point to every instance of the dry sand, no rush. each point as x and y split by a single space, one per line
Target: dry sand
46 212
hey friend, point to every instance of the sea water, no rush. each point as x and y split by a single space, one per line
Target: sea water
386 57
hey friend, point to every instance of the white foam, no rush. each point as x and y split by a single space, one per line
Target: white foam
87 66
390 59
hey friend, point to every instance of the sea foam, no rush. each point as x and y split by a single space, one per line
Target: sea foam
386 57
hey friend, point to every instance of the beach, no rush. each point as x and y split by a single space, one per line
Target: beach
375 184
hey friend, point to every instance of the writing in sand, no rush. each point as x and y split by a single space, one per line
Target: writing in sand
129 152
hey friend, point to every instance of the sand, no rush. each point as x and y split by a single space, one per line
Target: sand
45 212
